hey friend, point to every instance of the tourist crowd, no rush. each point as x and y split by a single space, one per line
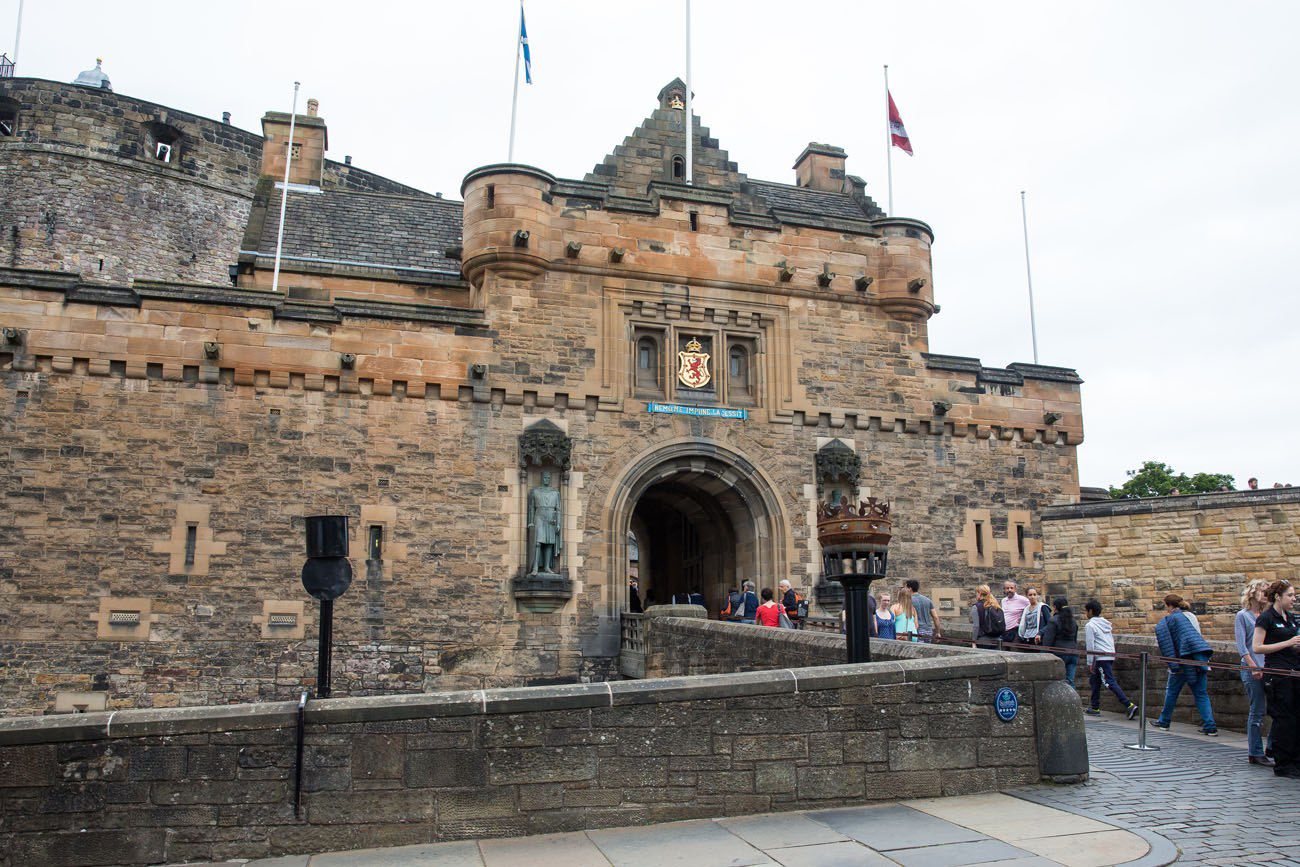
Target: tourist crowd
1267 639
1266 630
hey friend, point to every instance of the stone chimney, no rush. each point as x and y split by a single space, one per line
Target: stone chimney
310 141
821 167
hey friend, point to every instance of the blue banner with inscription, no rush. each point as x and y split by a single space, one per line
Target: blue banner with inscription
703 411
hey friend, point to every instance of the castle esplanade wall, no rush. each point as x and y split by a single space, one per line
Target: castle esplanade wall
1128 554
217 783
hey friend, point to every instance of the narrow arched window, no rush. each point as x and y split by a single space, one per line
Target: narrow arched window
679 169
647 363
739 365
739 381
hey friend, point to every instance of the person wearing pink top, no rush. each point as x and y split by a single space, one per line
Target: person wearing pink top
1013 606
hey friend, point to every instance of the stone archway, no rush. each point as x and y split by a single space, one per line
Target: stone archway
705 517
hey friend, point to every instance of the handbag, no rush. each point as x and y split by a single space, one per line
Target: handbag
783 620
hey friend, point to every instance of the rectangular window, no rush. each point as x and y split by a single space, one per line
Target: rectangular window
1020 540
375 543
191 543
491 196
695 221
979 538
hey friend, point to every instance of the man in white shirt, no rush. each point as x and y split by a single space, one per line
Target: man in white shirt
1013 607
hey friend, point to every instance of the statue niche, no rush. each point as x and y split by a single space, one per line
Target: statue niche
542 582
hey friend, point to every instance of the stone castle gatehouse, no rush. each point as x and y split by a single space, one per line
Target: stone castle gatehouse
683 371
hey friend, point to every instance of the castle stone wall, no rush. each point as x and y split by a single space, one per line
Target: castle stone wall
1128 554
81 190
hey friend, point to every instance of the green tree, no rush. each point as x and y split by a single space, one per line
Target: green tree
1156 479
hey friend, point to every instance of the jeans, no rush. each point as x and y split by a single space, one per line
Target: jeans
1103 672
1195 677
1071 663
1255 720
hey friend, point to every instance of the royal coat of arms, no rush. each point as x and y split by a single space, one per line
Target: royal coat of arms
694 369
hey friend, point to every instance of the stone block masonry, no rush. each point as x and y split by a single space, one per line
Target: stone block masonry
1128 554
167 430
217 783
81 189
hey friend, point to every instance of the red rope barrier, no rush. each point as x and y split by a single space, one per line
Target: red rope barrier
1077 651
830 624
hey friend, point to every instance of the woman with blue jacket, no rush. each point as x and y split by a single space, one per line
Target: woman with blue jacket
1179 640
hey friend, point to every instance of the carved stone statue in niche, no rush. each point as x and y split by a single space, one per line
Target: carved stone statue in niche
544 523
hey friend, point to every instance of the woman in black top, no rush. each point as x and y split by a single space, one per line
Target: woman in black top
1063 631
1277 636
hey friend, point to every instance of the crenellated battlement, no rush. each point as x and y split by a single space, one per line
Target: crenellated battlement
521 221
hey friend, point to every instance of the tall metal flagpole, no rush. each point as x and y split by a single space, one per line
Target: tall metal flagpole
284 194
889 146
514 100
18 33
1029 277
690 118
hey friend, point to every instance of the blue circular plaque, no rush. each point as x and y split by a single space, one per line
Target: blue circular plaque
1006 704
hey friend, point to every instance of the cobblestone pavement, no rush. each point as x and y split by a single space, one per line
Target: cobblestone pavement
1198 792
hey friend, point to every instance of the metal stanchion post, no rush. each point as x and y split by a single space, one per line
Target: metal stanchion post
1142 745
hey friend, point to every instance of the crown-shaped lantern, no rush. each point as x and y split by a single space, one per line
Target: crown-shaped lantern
854 538
855 552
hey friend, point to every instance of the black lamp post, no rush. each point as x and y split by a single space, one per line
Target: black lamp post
855 552
326 575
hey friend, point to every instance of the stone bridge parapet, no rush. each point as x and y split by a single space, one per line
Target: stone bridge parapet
142 786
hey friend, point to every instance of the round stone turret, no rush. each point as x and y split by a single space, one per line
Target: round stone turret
905 286
507 221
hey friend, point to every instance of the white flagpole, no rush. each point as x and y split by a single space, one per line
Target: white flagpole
690 117
284 194
1029 277
514 100
18 35
889 146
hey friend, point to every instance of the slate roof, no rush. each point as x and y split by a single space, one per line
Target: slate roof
807 201
369 228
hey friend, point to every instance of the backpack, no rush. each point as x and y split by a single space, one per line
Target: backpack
731 609
993 622
801 606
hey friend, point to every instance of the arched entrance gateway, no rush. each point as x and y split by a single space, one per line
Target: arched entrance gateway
703 517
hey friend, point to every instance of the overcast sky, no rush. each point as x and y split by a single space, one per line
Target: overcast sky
1158 143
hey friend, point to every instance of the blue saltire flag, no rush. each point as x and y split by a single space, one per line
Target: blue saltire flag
523 41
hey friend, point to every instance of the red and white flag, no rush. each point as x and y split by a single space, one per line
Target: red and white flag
897 132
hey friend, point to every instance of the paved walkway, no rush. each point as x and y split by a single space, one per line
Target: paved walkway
1198 792
992 829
